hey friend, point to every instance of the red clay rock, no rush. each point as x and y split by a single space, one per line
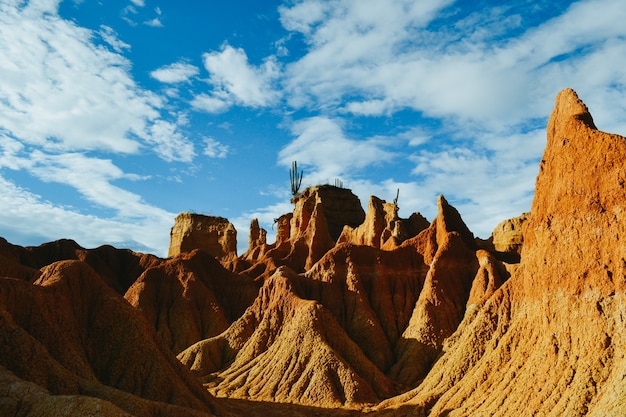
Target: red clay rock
71 334
441 304
551 340
382 228
370 292
190 298
118 268
214 235
287 349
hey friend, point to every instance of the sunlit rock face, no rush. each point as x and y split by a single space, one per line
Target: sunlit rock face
551 340
345 310
382 227
214 235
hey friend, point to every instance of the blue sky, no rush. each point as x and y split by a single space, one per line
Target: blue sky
117 115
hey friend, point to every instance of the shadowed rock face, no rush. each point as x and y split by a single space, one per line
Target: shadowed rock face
71 334
190 298
344 309
118 268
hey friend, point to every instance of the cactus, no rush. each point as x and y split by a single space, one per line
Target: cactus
295 178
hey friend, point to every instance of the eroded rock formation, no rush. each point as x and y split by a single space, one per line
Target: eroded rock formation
191 297
345 310
550 341
70 334
212 234
382 227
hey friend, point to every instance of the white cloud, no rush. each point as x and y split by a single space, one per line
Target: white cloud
215 149
233 77
381 58
175 73
67 107
488 81
62 92
155 23
92 178
169 143
25 216
211 103
138 3
110 36
320 142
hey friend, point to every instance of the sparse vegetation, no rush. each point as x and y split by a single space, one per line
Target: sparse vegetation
295 178
395 200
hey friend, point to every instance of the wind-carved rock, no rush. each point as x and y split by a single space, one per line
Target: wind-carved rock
214 235
319 216
435 324
257 242
448 248
507 238
550 340
382 227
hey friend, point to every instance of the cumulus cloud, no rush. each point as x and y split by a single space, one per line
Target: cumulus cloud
234 80
482 83
215 103
479 69
110 36
62 92
68 105
22 208
321 143
215 149
154 22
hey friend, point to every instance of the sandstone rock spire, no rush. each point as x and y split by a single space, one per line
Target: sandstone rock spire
550 341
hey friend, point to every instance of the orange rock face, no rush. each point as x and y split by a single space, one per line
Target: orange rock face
190 298
214 235
346 310
70 334
382 227
551 340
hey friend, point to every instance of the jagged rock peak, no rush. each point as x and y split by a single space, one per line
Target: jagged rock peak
382 228
550 340
569 105
212 234
449 220
339 206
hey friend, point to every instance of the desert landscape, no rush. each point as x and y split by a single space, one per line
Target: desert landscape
352 311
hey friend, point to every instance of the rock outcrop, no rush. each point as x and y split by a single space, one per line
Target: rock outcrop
345 310
389 312
448 249
382 227
550 341
190 298
70 334
214 235
507 238
286 348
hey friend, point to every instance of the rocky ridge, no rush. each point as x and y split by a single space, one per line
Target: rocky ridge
347 312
